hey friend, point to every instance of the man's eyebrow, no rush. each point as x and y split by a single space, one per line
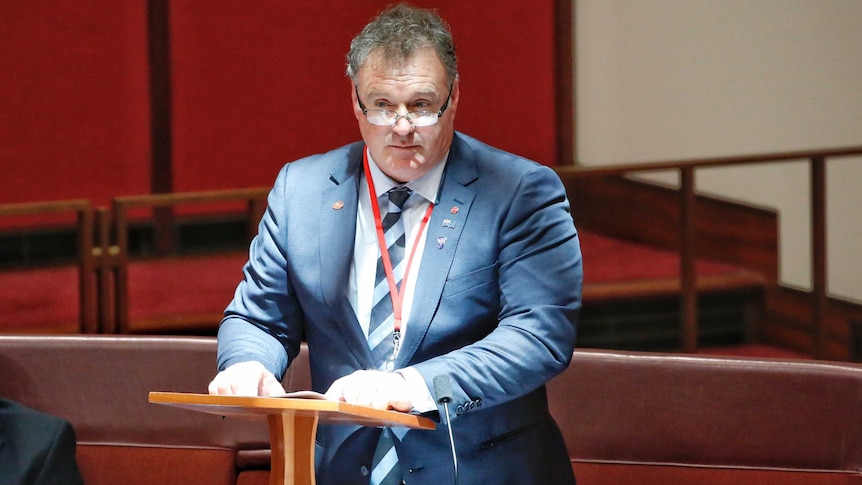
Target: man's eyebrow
429 94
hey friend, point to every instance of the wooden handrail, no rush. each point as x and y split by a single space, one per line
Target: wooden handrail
85 250
654 166
255 198
46 207
178 198
688 250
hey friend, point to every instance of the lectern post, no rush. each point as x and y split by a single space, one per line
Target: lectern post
292 460
292 424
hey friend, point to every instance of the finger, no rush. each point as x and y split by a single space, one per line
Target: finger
403 405
379 400
270 387
223 386
391 393
241 379
214 388
243 389
367 394
353 390
362 387
335 391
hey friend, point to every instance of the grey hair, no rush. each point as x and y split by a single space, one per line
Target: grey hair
398 33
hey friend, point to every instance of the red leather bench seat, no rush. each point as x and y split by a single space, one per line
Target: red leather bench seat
627 417
645 418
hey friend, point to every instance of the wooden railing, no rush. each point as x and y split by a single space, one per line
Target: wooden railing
83 211
687 217
108 256
117 263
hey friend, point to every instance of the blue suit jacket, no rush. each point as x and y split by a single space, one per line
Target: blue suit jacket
495 308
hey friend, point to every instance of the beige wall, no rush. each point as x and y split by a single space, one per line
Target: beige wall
672 79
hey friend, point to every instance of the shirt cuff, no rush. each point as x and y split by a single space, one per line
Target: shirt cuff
420 396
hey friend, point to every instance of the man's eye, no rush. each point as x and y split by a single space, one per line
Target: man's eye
381 105
421 105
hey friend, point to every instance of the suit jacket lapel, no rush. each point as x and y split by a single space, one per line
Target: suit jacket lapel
338 207
453 206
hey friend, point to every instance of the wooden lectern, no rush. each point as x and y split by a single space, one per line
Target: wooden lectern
292 424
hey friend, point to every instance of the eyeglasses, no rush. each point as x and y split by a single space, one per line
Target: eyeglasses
385 117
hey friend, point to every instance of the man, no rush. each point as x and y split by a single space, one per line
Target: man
36 448
479 279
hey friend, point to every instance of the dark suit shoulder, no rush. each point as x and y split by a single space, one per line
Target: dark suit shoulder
36 448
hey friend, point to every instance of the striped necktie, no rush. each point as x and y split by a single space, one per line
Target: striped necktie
382 323
384 467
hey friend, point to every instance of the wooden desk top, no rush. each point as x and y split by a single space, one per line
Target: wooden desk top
325 410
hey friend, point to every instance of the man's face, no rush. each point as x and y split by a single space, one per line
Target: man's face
402 151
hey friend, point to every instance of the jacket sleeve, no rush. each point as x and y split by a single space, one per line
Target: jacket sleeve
264 321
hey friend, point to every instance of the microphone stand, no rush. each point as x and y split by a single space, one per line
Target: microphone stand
443 392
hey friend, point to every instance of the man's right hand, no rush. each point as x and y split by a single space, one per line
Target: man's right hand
246 379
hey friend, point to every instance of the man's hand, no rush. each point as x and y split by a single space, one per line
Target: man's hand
246 379
377 389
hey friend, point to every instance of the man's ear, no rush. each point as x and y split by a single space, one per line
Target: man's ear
456 94
357 111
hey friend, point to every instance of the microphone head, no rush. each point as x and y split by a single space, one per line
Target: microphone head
442 389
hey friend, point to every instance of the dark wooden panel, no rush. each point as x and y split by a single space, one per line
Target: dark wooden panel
646 213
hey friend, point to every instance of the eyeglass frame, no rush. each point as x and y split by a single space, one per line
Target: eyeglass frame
398 116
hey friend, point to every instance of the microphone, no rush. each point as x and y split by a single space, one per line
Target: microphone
442 389
443 393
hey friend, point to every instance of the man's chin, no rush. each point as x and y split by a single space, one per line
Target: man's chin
403 170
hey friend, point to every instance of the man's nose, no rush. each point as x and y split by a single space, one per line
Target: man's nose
403 126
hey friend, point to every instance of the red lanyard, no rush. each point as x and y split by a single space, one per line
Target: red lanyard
396 295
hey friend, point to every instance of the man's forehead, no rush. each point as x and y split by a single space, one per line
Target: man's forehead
380 64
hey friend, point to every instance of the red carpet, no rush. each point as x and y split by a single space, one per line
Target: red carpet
183 286
608 259
39 300
45 300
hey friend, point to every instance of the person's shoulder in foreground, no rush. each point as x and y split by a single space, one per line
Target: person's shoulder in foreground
36 448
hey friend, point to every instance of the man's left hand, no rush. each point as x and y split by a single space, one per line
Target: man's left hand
377 389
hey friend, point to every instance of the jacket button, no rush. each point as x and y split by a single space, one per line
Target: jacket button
363 470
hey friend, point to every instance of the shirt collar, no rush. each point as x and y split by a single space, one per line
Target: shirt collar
427 185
